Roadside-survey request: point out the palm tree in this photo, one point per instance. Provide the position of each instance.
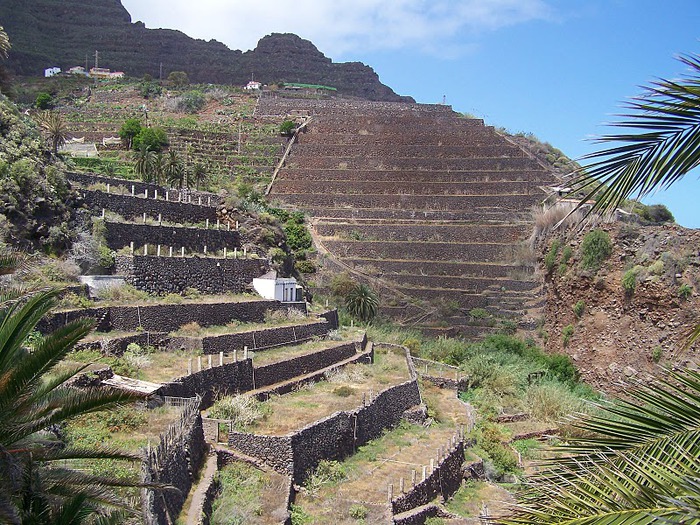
(362, 303)
(642, 466)
(143, 162)
(37, 483)
(662, 145)
(4, 43)
(55, 128)
(199, 174)
(175, 171)
(157, 168)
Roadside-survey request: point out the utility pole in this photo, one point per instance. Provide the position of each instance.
(160, 74)
(96, 59)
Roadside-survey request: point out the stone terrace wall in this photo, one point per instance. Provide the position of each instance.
(297, 366)
(175, 461)
(421, 250)
(275, 105)
(168, 317)
(163, 275)
(443, 481)
(414, 163)
(334, 437)
(415, 232)
(119, 234)
(262, 339)
(210, 199)
(242, 376)
(128, 206)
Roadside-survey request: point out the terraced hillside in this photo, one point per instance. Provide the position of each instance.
(428, 206)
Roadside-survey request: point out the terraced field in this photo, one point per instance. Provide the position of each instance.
(427, 206)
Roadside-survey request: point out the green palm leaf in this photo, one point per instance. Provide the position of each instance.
(663, 144)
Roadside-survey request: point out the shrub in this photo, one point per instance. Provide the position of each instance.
(562, 367)
(566, 333)
(656, 213)
(305, 267)
(129, 130)
(478, 313)
(243, 411)
(551, 401)
(298, 236)
(685, 291)
(579, 308)
(150, 89)
(595, 249)
(629, 281)
(154, 139)
(43, 101)
(551, 258)
(178, 78)
(656, 354)
(341, 285)
(327, 472)
(358, 512)
(191, 102)
(344, 391)
(287, 127)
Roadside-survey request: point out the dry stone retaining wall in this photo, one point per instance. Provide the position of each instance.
(421, 250)
(128, 206)
(164, 275)
(433, 176)
(412, 163)
(413, 232)
(119, 235)
(262, 339)
(175, 461)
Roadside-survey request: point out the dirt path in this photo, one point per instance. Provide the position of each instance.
(194, 515)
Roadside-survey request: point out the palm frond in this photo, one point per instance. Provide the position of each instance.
(662, 145)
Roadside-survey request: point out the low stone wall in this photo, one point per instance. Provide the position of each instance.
(329, 210)
(164, 275)
(387, 149)
(242, 376)
(168, 317)
(175, 461)
(334, 437)
(403, 163)
(443, 481)
(117, 346)
(471, 284)
(129, 206)
(400, 176)
(262, 339)
(467, 269)
(301, 365)
(121, 234)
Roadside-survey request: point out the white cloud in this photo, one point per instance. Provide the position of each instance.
(339, 27)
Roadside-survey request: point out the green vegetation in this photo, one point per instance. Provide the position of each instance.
(191, 102)
(656, 354)
(596, 247)
(242, 411)
(685, 291)
(178, 78)
(566, 334)
(629, 280)
(550, 259)
(579, 308)
(43, 101)
(287, 127)
(129, 130)
(153, 139)
(239, 500)
(362, 303)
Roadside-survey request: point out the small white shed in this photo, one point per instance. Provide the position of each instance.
(51, 71)
(284, 289)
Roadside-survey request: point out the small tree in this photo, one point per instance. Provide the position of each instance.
(153, 138)
(55, 128)
(43, 101)
(4, 43)
(143, 162)
(130, 129)
(199, 174)
(362, 303)
(178, 78)
(175, 171)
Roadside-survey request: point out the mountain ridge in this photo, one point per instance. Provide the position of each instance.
(46, 33)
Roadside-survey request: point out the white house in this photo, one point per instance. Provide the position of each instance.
(284, 289)
(77, 70)
(49, 72)
(252, 85)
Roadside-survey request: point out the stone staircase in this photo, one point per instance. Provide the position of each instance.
(427, 206)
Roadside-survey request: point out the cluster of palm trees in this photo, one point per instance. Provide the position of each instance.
(158, 167)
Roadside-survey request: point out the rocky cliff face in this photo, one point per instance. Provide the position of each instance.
(66, 33)
(625, 328)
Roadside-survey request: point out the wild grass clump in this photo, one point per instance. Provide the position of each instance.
(551, 401)
(239, 500)
(121, 294)
(327, 473)
(242, 411)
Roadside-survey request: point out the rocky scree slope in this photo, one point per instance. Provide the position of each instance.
(46, 33)
(625, 331)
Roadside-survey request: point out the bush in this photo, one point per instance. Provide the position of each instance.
(287, 127)
(191, 102)
(154, 139)
(566, 334)
(130, 129)
(656, 354)
(305, 267)
(629, 281)
(344, 391)
(595, 249)
(178, 78)
(150, 89)
(243, 411)
(685, 291)
(551, 258)
(579, 308)
(478, 313)
(341, 285)
(43, 101)
(358, 512)
(656, 213)
(298, 236)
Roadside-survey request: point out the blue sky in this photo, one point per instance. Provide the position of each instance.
(558, 69)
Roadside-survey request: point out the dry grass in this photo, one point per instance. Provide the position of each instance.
(311, 403)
